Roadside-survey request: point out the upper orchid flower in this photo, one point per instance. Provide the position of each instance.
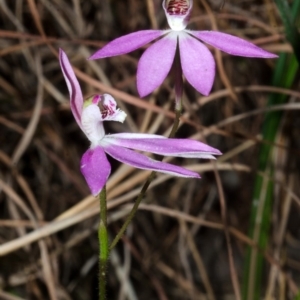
(90, 115)
(197, 62)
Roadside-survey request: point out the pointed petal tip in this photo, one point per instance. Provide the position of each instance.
(62, 55)
(205, 93)
(216, 151)
(95, 56)
(271, 55)
(197, 176)
(262, 54)
(232, 45)
(141, 91)
(95, 193)
(192, 174)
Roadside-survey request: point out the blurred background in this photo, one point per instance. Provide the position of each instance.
(234, 234)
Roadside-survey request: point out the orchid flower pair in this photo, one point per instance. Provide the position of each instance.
(90, 115)
(197, 62)
(198, 67)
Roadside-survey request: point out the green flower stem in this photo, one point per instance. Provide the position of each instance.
(144, 188)
(176, 122)
(103, 244)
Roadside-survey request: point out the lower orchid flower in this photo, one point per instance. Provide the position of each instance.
(90, 115)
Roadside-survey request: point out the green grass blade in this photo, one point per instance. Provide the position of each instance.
(288, 20)
(297, 297)
(284, 75)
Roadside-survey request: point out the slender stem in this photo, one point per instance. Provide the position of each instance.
(133, 210)
(144, 188)
(178, 109)
(176, 122)
(103, 208)
(103, 245)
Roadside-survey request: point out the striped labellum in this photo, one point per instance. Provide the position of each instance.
(178, 13)
(177, 7)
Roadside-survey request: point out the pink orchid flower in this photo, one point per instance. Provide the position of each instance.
(91, 114)
(197, 62)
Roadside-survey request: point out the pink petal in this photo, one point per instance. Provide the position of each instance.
(163, 146)
(155, 64)
(109, 109)
(198, 64)
(76, 98)
(140, 161)
(127, 43)
(231, 44)
(95, 168)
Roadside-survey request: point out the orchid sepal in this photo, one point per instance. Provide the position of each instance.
(162, 146)
(76, 98)
(128, 43)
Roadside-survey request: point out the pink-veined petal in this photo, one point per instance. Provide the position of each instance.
(163, 146)
(155, 64)
(76, 98)
(231, 44)
(107, 107)
(95, 168)
(127, 43)
(141, 161)
(109, 110)
(198, 64)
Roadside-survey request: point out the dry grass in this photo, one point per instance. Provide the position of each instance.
(176, 248)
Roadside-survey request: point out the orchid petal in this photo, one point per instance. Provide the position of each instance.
(231, 44)
(108, 107)
(155, 64)
(163, 146)
(76, 98)
(95, 168)
(92, 124)
(110, 111)
(127, 43)
(198, 64)
(141, 161)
